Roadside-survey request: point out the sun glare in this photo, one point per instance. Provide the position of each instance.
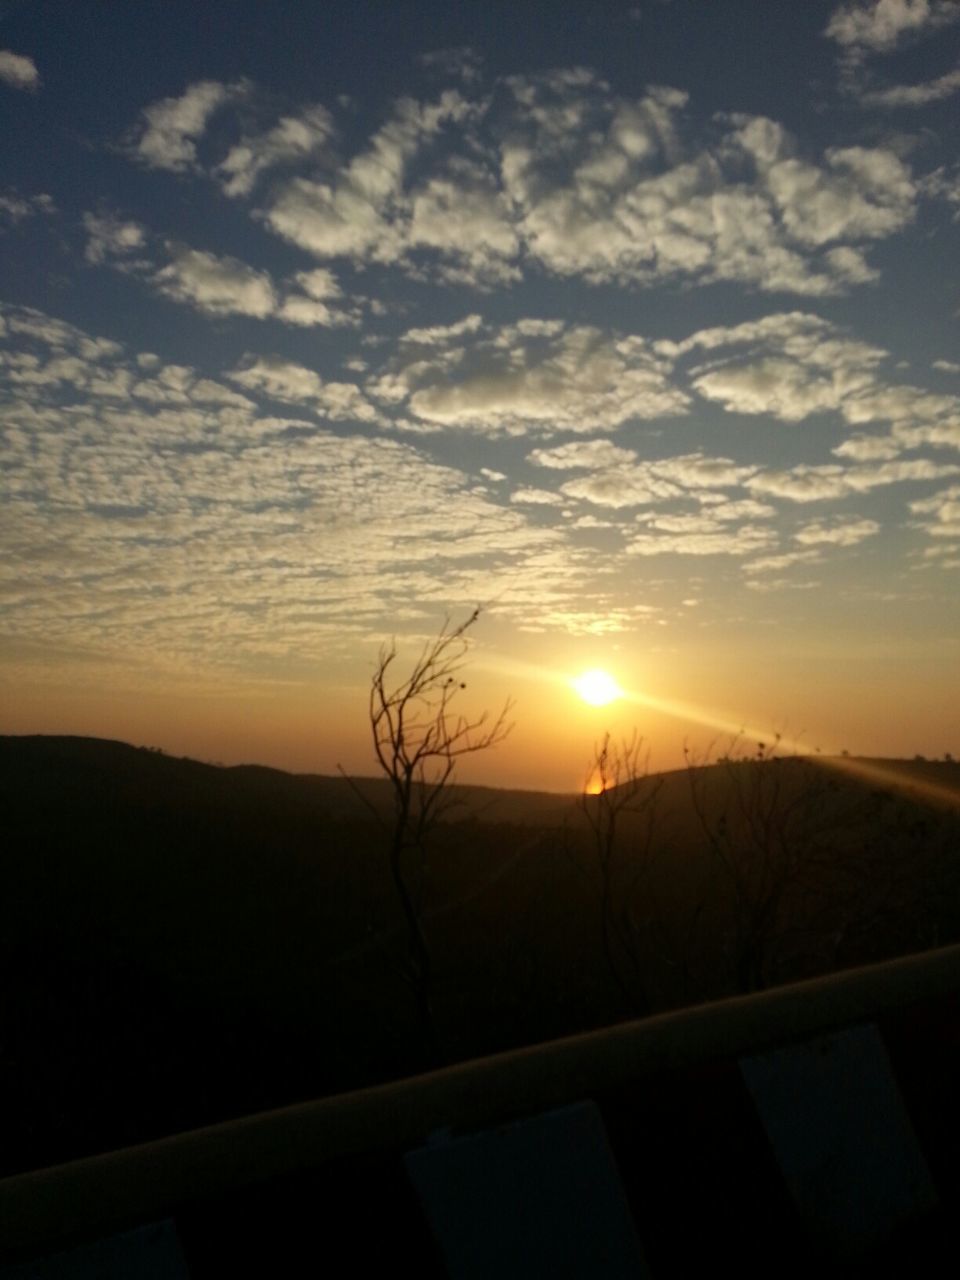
(597, 687)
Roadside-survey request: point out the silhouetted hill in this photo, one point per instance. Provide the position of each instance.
(181, 942)
(69, 767)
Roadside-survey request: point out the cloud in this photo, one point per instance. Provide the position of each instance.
(914, 95)
(946, 366)
(635, 487)
(320, 301)
(216, 286)
(944, 510)
(292, 139)
(222, 537)
(443, 335)
(784, 388)
(292, 383)
(536, 497)
(16, 207)
(857, 193)
(864, 27)
(534, 376)
(167, 136)
(744, 541)
(460, 61)
(111, 239)
(777, 329)
(556, 170)
(821, 483)
(586, 455)
(799, 369)
(844, 533)
(777, 563)
(696, 471)
(352, 215)
(944, 184)
(17, 71)
(868, 448)
(462, 215)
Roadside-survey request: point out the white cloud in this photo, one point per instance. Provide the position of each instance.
(857, 193)
(784, 388)
(167, 137)
(111, 238)
(292, 383)
(309, 313)
(744, 541)
(842, 533)
(17, 71)
(944, 184)
(567, 175)
(352, 215)
(16, 207)
(633, 487)
(586, 455)
(320, 284)
(822, 483)
(216, 286)
(124, 507)
(811, 369)
(944, 508)
(946, 366)
(878, 26)
(536, 497)
(864, 478)
(321, 302)
(778, 329)
(292, 138)
(777, 563)
(513, 379)
(868, 448)
(461, 60)
(443, 335)
(219, 286)
(914, 95)
(850, 265)
(698, 472)
(802, 483)
(462, 215)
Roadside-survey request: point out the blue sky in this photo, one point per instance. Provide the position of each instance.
(635, 322)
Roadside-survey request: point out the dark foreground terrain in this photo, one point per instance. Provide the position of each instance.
(183, 943)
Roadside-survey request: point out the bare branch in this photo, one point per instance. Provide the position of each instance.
(418, 740)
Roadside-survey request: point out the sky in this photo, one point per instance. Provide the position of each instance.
(634, 324)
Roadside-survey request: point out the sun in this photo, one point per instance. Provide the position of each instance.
(597, 687)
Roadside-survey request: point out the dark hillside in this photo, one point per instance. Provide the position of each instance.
(182, 942)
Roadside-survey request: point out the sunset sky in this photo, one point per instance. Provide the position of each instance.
(635, 323)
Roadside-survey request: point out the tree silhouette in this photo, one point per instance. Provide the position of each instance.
(418, 739)
(618, 785)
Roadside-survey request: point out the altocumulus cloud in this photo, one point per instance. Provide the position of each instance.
(127, 512)
(558, 170)
(530, 375)
(17, 71)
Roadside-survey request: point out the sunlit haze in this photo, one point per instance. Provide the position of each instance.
(635, 325)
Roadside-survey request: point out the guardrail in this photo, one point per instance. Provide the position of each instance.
(54, 1208)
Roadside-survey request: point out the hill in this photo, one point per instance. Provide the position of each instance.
(182, 942)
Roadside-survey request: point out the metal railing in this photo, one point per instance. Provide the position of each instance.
(50, 1208)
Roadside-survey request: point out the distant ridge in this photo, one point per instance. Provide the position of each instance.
(72, 761)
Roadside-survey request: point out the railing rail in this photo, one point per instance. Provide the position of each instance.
(47, 1209)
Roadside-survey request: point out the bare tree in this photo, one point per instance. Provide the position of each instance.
(776, 830)
(419, 738)
(618, 786)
